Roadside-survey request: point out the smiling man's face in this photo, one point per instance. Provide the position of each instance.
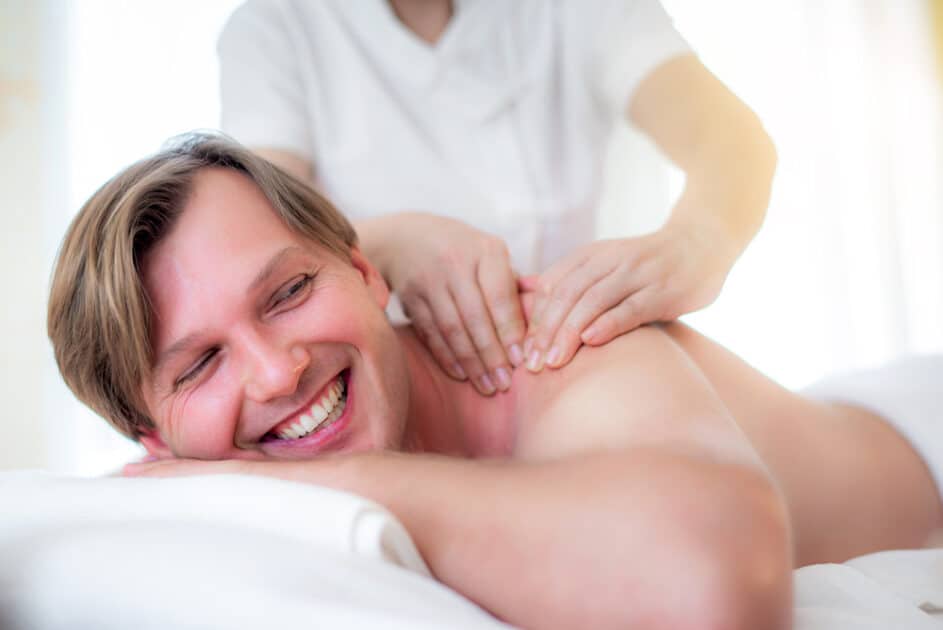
(265, 344)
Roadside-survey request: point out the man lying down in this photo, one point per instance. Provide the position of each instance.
(214, 308)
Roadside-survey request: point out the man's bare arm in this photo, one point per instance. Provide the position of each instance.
(634, 501)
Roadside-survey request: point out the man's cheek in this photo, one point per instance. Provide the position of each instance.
(207, 420)
(342, 324)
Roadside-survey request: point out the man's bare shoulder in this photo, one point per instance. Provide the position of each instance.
(638, 387)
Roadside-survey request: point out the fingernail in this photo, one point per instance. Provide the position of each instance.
(485, 384)
(517, 356)
(553, 357)
(589, 334)
(533, 361)
(458, 372)
(503, 378)
(528, 345)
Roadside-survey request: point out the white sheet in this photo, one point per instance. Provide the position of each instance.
(891, 589)
(246, 553)
(210, 552)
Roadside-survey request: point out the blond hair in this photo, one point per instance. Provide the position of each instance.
(99, 318)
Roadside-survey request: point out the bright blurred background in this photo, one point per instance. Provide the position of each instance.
(847, 271)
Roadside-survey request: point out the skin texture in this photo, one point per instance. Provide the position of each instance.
(639, 472)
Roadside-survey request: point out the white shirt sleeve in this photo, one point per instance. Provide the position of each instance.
(263, 96)
(632, 38)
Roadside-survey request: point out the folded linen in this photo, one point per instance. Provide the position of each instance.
(243, 553)
(890, 589)
(210, 552)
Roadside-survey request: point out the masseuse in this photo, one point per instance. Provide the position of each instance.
(447, 129)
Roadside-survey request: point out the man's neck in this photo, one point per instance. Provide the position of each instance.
(448, 416)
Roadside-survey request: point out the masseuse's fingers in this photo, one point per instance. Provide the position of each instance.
(424, 322)
(474, 312)
(453, 330)
(542, 287)
(526, 292)
(629, 314)
(558, 294)
(500, 288)
(604, 295)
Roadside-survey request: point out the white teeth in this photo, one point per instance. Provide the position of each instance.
(308, 422)
(334, 415)
(323, 412)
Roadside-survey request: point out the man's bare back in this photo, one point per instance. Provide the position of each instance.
(853, 483)
(843, 469)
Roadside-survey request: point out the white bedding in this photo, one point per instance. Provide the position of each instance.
(891, 589)
(232, 552)
(246, 553)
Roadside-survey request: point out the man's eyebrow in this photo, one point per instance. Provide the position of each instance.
(179, 346)
(183, 344)
(272, 265)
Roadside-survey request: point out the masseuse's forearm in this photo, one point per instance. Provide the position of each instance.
(729, 173)
(640, 538)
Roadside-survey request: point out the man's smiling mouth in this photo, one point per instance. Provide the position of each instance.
(323, 412)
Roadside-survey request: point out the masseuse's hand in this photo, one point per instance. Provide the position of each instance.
(608, 288)
(458, 288)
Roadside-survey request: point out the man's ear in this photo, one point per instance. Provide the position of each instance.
(155, 446)
(371, 276)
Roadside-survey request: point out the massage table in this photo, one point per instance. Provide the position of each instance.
(242, 552)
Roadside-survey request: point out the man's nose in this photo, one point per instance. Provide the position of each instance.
(273, 368)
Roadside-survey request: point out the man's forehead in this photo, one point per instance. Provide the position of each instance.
(222, 199)
(226, 215)
(226, 241)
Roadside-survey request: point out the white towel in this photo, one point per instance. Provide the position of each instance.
(209, 552)
(244, 553)
(891, 589)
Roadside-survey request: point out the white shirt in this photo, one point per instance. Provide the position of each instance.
(503, 123)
